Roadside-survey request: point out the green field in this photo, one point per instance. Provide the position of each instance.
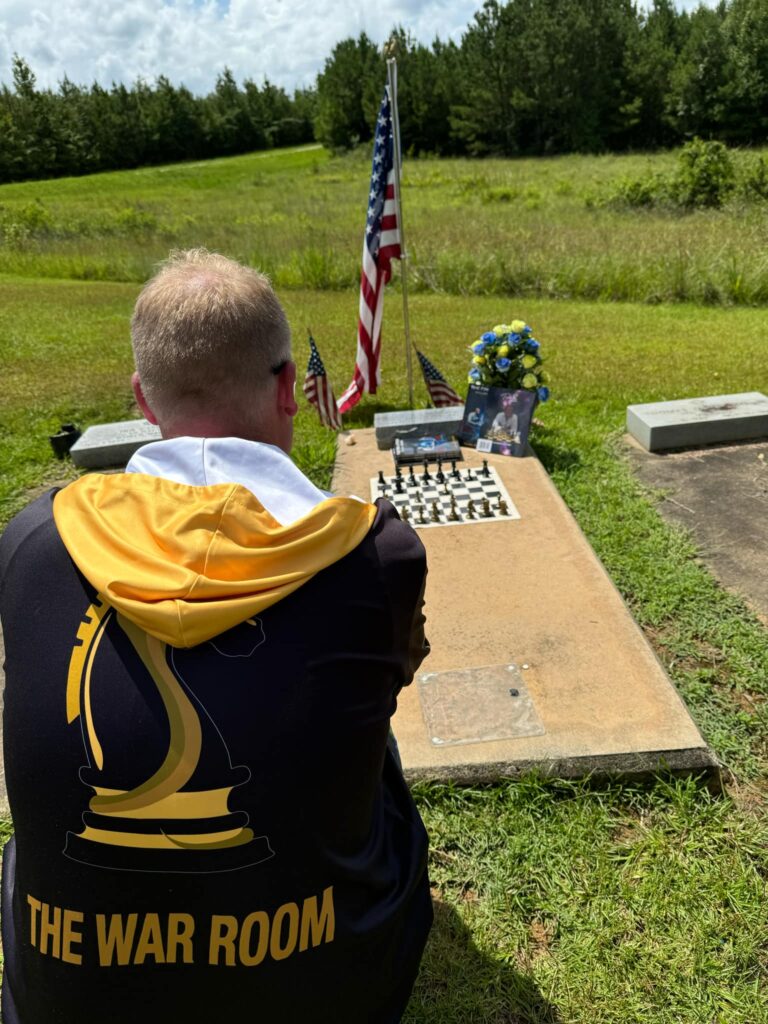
(532, 228)
(556, 902)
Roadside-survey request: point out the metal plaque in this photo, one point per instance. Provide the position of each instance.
(477, 705)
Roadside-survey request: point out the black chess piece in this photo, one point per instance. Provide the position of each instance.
(411, 477)
(485, 471)
(469, 475)
(440, 475)
(454, 472)
(398, 472)
(446, 488)
(399, 485)
(425, 477)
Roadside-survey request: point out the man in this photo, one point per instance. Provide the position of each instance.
(202, 657)
(506, 421)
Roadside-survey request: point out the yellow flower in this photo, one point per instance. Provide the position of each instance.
(503, 350)
(529, 362)
(517, 325)
(479, 360)
(500, 329)
(529, 380)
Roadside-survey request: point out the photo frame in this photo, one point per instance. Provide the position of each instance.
(498, 420)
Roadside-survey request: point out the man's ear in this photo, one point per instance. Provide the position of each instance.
(141, 401)
(286, 388)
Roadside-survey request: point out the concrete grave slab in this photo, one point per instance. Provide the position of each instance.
(531, 593)
(389, 425)
(112, 444)
(691, 422)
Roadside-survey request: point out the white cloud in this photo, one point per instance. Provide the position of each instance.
(190, 41)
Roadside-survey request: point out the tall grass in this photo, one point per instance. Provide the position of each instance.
(527, 228)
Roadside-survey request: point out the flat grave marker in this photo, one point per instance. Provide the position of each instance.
(690, 422)
(389, 425)
(112, 444)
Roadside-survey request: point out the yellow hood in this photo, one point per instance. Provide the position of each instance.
(187, 563)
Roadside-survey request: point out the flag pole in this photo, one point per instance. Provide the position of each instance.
(392, 84)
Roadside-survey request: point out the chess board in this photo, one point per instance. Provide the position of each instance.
(432, 502)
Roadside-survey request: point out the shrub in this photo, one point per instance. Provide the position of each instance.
(706, 176)
(639, 192)
(754, 183)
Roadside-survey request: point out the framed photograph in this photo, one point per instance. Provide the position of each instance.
(425, 448)
(497, 420)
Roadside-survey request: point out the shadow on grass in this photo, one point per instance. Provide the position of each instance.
(458, 984)
(554, 457)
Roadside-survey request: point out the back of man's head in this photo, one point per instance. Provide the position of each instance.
(208, 336)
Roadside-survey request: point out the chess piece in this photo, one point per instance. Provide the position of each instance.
(454, 472)
(411, 477)
(453, 515)
(485, 471)
(425, 477)
(398, 472)
(405, 515)
(486, 513)
(440, 475)
(434, 513)
(503, 507)
(398, 484)
(420, 510)
(446, 488)
(469, 475)
(382, 481)
(471, 509)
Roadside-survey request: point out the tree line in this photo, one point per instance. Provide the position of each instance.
(79, 130)
(535, 77)
(528, 77)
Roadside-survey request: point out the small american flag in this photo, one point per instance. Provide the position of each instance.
(380, 246)
(318, 389)
(441, 393)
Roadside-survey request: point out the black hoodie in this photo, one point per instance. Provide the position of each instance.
(208, 824)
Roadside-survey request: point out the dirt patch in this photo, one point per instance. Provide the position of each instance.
(720, 494)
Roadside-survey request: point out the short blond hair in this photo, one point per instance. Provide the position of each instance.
(206, 332)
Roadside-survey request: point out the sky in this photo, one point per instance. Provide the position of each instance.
(190, 41)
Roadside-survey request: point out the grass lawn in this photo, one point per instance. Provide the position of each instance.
(533, 227)
(555, 902)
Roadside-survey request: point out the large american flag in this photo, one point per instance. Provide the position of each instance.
(380, 246)
(318, 389)
(440, 391)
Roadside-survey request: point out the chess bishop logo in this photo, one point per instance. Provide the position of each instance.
(155, 806)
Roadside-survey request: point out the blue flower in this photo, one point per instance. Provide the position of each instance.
(503, 363)
(515, 339)
(489, 337)
(527, 331)
(532, 345)
(479, 347)
(474, 373)
(543, 393)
